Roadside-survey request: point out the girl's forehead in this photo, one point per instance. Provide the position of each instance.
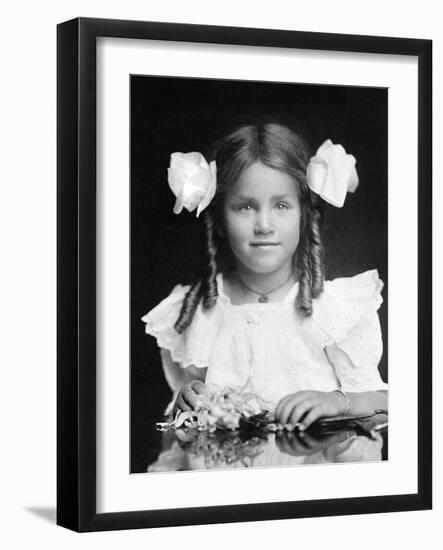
(261, 181)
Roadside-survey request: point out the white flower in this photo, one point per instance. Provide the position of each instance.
(218, 408)
(192, 181)
(331, 173)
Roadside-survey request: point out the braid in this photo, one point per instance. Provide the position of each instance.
(304, 295)
(317, 255)
(205, 286)
(311, 264)
(209, 283)
(189, 305)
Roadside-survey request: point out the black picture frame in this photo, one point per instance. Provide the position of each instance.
(76, 278)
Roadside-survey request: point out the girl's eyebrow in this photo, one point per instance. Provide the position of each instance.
(243, 198)
(273, 198)
(281, 197)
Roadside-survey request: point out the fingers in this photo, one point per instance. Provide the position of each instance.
(279, 409)
(314, 414)
(286, 405)
(299, 411)
(198, 386)
(293, 410)
(180, 404)
(191, 397)
(302, 408)
(187, 396)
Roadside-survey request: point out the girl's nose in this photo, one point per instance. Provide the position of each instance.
(263, 222)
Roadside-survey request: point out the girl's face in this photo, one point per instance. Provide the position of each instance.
(262, 219)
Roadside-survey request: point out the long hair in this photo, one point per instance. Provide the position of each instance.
(277, 146)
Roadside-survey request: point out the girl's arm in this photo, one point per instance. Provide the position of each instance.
(305, 407)
(366, 402)
(185, 383)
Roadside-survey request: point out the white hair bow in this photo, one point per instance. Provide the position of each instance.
(192, 180)
(331, 173)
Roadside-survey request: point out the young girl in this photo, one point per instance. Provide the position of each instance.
(260, 315)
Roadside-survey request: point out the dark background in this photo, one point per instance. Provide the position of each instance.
(185, 114)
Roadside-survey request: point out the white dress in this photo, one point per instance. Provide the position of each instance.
(270, 348)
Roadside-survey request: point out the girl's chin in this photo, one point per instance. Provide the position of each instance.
(263, 264)
(266, 268)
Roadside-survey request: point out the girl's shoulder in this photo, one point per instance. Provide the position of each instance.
(346, 301)
(366, 286)
(167, 310)
(191, 347)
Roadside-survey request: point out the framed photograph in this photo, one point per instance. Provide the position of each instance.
(244, 269)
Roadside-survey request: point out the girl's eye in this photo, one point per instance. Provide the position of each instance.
(246, 208)
(282, 206)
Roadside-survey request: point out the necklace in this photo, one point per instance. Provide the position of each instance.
(264, 296)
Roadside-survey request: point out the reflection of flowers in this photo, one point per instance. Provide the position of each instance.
(222, 448)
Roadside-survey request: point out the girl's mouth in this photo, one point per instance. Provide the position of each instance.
(264, 245)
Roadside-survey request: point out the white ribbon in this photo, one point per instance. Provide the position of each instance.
(192, 181)
(331, 173)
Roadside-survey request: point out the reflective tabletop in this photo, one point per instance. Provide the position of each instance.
(363, 439)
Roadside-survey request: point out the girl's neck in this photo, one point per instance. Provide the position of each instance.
(245, 285)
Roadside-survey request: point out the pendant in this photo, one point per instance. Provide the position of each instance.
(263, 299)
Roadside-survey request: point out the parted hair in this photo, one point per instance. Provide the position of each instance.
(278, 146)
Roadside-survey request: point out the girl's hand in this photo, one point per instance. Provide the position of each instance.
(187, 396)
(305, 407)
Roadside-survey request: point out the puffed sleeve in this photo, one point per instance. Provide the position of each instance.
(348, 318)
(194, 346)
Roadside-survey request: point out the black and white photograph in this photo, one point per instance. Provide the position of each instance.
(258, 273)
(244, 267)
(221, 270)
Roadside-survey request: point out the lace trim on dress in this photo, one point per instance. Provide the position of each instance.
(194, 346)
(344, 302)
(174, 346)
